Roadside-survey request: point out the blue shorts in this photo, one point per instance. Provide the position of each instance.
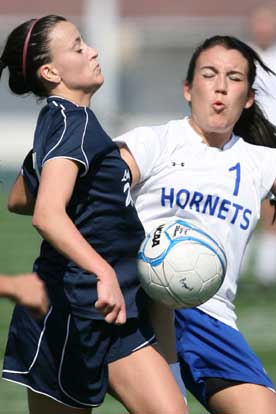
(66, 357)
(208, 348)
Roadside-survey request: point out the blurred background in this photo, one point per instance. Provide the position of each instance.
(144, 48)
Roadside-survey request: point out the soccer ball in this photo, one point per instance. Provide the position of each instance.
(180, 264)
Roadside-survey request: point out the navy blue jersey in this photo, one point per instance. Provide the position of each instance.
(101, 206)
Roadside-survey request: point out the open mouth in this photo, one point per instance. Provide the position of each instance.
(218, 106)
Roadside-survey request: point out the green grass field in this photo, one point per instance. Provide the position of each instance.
(19, 245)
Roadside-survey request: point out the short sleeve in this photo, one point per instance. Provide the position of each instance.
(68, 137)
(147, 145)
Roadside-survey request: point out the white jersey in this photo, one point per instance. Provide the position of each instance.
(221, 188)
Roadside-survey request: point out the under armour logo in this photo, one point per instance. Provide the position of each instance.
(181, 164)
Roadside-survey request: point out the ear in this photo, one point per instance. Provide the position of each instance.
(187, 91)
(49, 73)
(250, 99)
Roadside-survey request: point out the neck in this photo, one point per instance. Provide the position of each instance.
(211, 138)
(77, 97)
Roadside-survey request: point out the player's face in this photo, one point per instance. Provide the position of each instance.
(73, 60)
(219, 92)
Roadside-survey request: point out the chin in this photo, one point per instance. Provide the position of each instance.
(96, 87)
(219, 127)
(101, 78)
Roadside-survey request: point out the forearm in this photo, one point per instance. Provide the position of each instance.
(26, 289)
(61, 232)
(6, 287)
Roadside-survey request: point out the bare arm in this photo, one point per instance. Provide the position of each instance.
(132, 165)
(21, 201)
(50, 218)
(26, 289)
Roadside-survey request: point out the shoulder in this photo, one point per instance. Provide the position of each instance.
(150, 134)
(64, 131)
(60, 118)
(260, 160)
(255, 150)
(65, 110)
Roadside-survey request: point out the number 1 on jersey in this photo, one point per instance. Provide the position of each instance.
(236, 168)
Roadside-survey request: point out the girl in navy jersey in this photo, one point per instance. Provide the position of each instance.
(96, 335)
(215, 167)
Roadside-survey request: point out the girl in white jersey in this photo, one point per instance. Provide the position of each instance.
(200, 168)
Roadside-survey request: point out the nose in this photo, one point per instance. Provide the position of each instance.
(93, 53)
(221, 84)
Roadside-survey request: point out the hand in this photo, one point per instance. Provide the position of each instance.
(110, 301)
(29, 290)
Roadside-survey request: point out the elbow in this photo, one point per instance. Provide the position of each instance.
(18, 206)
(13, 206)
(45, 220)
(13, 203)
(39, 222)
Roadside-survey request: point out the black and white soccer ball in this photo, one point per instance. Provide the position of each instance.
(181, 264)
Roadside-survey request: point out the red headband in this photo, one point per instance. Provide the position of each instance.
(25, 48)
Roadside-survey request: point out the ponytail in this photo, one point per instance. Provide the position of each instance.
(26, 50)
(255, 128)
(2, 66)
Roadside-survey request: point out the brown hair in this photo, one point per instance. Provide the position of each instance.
(26, 50)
